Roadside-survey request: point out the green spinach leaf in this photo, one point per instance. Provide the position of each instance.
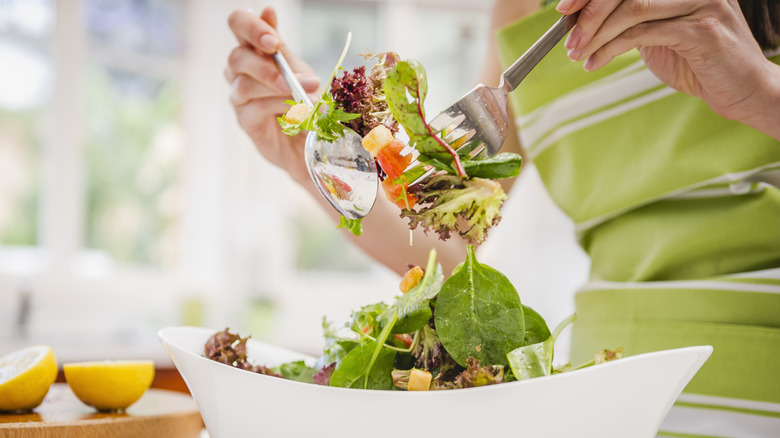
(378, 348)
(353, 371)
(440, 161)
(413, 308)
(495, 168)
(479, 314)
(504, 165)
(370, 319)
(536, 329)
(298, 371)
(536, 360)
(371, 363)
(410, 175)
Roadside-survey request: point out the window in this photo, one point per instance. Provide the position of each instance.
(25, 85)
(133, 136)
(131, 200)
(90, 149)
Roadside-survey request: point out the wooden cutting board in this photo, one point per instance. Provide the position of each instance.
(159, 413)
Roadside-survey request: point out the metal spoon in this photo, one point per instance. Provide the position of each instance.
(343, 170)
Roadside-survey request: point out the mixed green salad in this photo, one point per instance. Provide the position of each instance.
(463, 195)
(467, 330)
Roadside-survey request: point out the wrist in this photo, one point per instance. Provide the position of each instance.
(299, 174)
(289, 155)
(766, 114)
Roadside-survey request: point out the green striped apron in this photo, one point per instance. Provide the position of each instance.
(679, 211)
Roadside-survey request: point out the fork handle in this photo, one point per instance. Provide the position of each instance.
(511, 78)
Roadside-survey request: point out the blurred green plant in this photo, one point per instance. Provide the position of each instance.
(322, 247)
(20, 182)
(133, 153)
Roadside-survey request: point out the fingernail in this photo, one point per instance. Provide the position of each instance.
(564, 6)
(309, 83)
(574, 55)
(573, 39)
(269, 42)
(588, 66)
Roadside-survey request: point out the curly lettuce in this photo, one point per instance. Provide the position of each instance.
(355, 226)
(323, 376)
(363, 93)
(446, 199)
(479, 375)
(428, 351)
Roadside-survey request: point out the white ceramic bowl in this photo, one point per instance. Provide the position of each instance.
(624, 398)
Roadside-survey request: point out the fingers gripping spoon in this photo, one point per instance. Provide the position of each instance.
(343, 171)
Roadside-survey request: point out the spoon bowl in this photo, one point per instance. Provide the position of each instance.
(343, 171)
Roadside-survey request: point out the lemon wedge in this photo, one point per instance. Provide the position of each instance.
(109, 385)
(25, 377)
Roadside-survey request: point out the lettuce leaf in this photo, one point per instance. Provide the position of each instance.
(479, 314)
(479, 375)
(408, 79)
(413, 308)
(355, 226)
(298, 371)
(446, 198)
(536, 360)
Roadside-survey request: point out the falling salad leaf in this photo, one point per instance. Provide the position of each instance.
(355, 226)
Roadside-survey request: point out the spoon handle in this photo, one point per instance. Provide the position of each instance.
(289, 77)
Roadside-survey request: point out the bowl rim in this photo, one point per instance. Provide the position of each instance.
(702, 353)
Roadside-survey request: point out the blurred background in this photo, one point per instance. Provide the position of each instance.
(130, 199)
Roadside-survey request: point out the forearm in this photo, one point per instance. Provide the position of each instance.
(764, 112)
(386, 236)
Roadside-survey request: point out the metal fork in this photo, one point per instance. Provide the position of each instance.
(482, 115)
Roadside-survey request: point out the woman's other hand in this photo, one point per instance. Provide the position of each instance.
(701, 47)
(258, 91)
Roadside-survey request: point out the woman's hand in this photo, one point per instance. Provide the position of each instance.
(258, 90)
(701, 47)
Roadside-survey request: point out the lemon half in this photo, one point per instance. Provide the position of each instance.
(109, 385)
(25, 377)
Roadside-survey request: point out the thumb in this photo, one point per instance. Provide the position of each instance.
(268, 15)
